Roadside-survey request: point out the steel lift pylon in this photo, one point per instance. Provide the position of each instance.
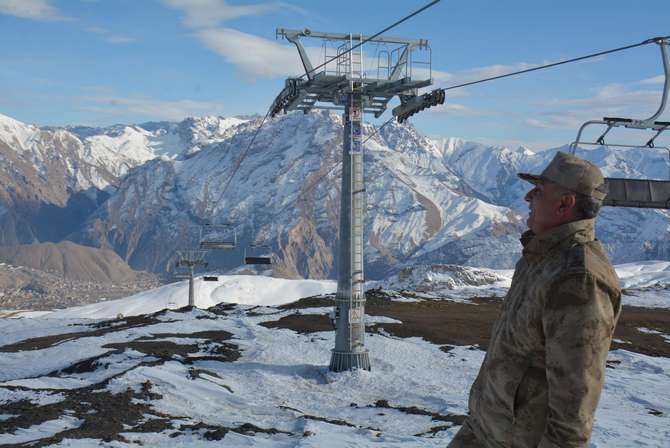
(188, 260)
(343, 83)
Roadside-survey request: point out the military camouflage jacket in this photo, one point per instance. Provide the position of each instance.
(541, 379)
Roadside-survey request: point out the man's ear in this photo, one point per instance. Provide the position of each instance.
(568, 202)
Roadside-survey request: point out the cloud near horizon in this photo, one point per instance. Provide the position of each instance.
(209, 13)
(253, 55)
(108, 36)
(608, 100)
(150, 108)
(31, 9)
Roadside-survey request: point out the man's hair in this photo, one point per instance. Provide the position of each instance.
(587, 206)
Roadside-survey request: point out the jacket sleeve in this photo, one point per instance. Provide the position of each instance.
(578, 322)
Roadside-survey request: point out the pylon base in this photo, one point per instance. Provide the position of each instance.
(341, 361)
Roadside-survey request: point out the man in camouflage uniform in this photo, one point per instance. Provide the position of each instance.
(541, 379)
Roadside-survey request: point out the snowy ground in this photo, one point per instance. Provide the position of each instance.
(174, 378)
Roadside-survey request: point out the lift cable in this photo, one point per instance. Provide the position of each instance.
(243, 154)
(554, 64)
(418, 103)
(377, 130)
(374, 36)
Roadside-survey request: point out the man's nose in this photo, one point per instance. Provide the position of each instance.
(529, 195)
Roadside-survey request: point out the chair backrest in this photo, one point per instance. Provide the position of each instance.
(641, 193)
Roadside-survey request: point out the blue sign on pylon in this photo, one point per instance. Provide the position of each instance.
(356, 146)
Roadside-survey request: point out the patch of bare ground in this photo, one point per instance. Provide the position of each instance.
(455, 419)
(108, 326)
(310, 302)
(216, 432)
(106, 415)
(628, 330)
(332, 421)
(214, 349)
(449, 419)
(302, 323)
(449, 323)
(99, 329)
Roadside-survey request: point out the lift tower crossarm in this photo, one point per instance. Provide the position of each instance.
(319, 85)
(291, 34)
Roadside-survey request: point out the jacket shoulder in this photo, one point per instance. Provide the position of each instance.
(590, 259)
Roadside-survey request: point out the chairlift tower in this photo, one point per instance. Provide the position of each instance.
(189, 259)
(343, 83)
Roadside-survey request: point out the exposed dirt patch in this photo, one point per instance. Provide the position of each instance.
(160, 349)
(633, 318)
(214, 335)
(444, 322)
(214, 432)
(332, 421)
(211, 350)
(439, 321)
(83, 366)
(454, 419)
(222, 308)
(194, 373)
(105, 415)
(100, 328)
(310, 302)
(302, 323)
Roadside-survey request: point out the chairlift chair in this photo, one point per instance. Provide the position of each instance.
(181, 272)
(257, 254)
(217, 236)
(639, 193)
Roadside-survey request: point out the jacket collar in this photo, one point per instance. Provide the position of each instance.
(581, 231)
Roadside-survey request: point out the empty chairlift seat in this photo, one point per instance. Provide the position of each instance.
(257, 254)
(639, 193)
(642, 193)
(180, 272)
(217, 236)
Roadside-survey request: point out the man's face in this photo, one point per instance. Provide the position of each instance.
(546, 207)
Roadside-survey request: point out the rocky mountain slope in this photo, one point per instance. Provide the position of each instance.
(71, 261)
(24, 288)
(51, 179)
(148, 188)
(628, 234)
(285, 195)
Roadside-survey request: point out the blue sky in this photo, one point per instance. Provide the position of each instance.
(100, 62)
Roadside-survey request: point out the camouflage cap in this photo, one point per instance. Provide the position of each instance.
(573, 173)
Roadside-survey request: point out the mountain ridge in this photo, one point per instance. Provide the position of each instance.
(428, 201)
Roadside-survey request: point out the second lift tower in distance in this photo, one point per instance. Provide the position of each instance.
(343, 82)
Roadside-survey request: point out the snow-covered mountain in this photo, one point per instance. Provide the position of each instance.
(285, 195)
(51, 179)
(153, 185)
(628, 234)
